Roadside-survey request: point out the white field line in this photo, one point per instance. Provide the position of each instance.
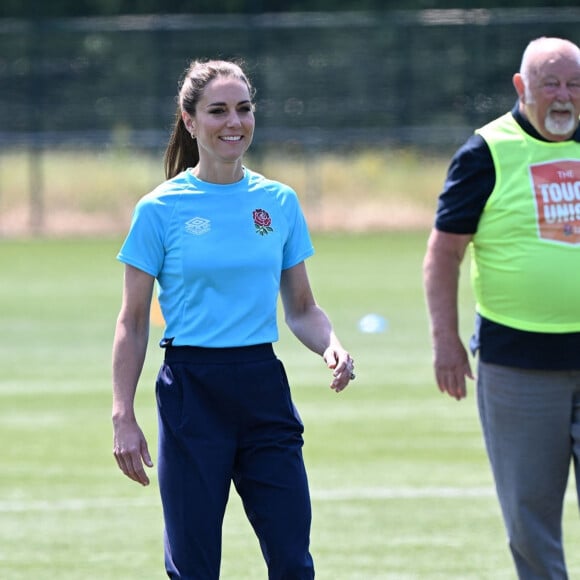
(374, 493)
(355, 494)
(401, 493)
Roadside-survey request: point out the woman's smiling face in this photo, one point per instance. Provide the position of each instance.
(224, 122)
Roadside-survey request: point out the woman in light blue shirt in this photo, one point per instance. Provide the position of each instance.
(222, 242)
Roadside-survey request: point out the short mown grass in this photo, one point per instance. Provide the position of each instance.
(400, 483)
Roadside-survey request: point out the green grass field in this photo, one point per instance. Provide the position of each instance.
(400, 482)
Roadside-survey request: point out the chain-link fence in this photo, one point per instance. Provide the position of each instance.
(325, 82)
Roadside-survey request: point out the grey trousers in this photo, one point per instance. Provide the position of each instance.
(531, 427)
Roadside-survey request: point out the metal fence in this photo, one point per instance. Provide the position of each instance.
(325, 82)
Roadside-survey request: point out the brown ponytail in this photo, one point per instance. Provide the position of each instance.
(181, 151)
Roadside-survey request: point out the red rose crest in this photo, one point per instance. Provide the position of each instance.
(262, 221)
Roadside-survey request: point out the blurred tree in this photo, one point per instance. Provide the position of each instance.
(33, 9)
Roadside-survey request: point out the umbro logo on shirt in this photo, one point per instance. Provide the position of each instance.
(197, 226)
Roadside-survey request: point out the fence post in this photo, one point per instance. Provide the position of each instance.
(36, 127)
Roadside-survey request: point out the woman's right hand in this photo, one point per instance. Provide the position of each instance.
(130, 450)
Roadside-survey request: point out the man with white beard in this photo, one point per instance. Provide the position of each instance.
(512, 194)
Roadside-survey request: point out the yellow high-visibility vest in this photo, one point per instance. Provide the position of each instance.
(525, 254)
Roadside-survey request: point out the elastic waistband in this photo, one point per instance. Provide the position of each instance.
(199, 354)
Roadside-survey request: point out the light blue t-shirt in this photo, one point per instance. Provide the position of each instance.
(217, 252)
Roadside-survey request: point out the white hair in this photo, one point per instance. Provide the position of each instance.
(545, 45)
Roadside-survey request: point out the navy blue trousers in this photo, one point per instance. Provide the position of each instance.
(227, 415)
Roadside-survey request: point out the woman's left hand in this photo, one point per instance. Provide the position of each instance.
(342, 366)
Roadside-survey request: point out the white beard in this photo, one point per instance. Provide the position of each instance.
(555, 126)
(560, 127)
